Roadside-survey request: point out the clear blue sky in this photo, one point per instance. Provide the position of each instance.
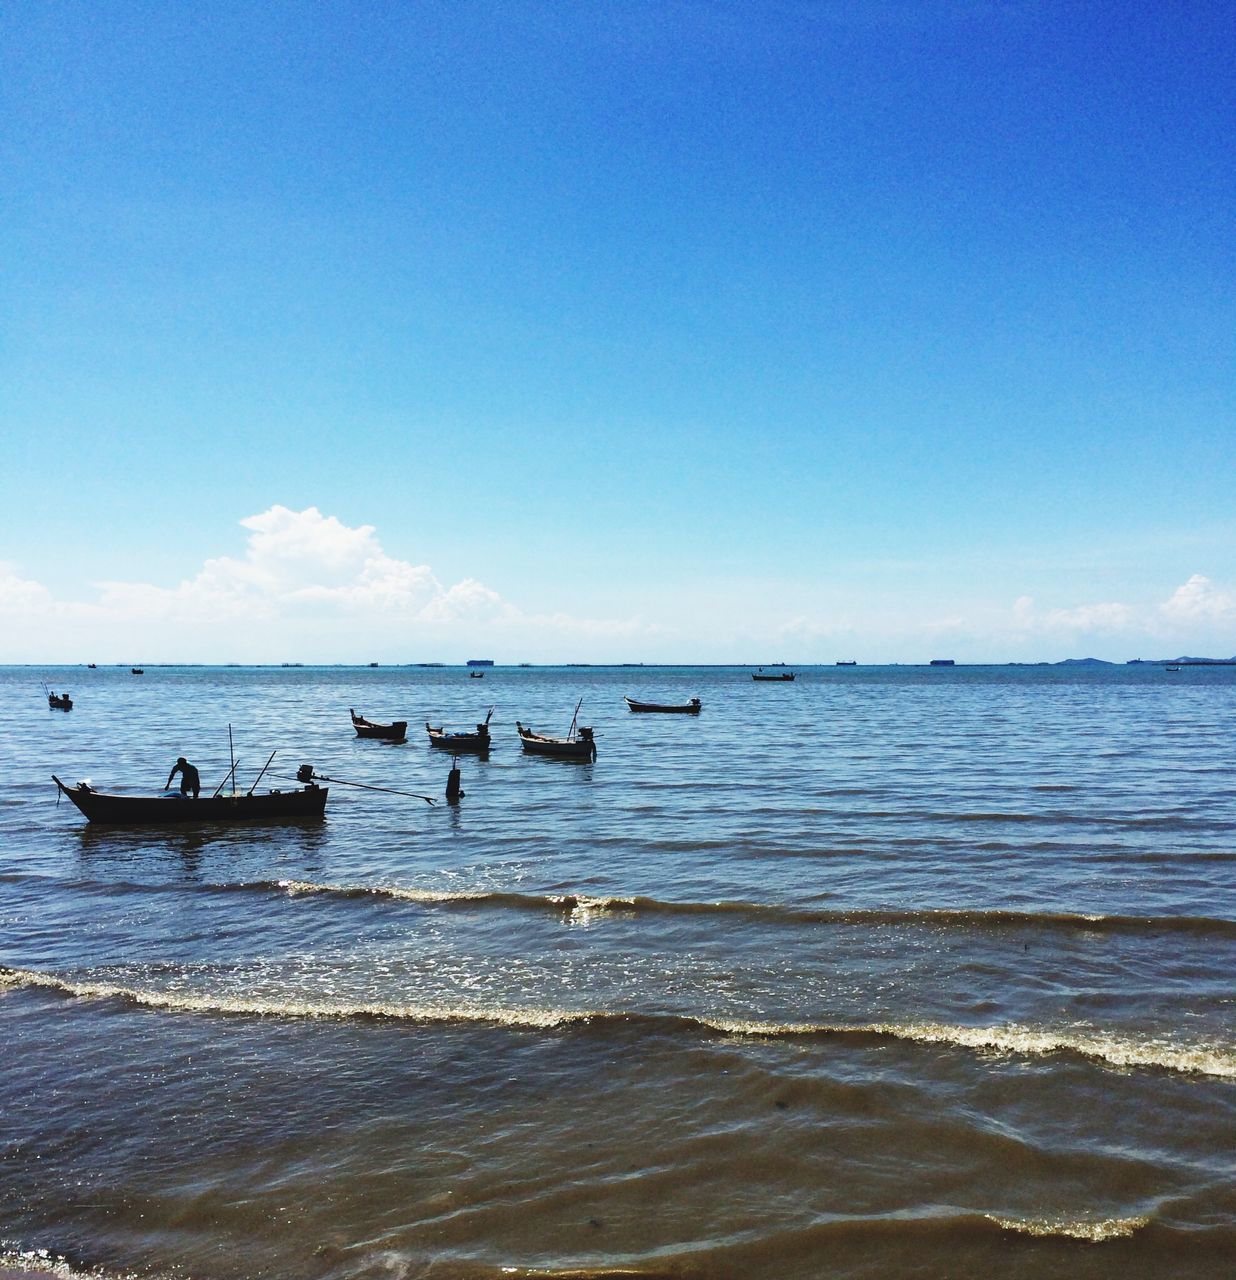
(689, 330)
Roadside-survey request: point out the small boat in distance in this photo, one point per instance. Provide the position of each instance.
(59, 701)
(761, 674)
(577, 745)
(396, 731)
(478, 741)
(691, 708)
(152, 811)
(137, 671)
(1171, 668)
(850, 663)
(476, 675)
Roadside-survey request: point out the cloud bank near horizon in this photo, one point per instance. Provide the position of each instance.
(310, 588)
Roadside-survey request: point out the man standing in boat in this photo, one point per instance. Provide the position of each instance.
(189, 779)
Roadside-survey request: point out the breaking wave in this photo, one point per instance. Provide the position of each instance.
(1096, 1230)
(637, 904)
(1108, 1048)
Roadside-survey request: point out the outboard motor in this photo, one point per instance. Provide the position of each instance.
(305, 774)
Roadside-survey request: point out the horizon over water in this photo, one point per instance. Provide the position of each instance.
(890, 970)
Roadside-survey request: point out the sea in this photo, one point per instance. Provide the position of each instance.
(889, 971)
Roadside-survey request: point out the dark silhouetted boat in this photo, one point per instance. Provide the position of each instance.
(691, 708)
(153, 811)
(476, 742)
(761, 674)
(60, 702)
(476, 675)
(577, 745)
(396, 731)
(137, 671)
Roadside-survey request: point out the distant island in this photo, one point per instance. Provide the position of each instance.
(1183, 662)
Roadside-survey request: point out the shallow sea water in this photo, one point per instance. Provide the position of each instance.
(886, 971)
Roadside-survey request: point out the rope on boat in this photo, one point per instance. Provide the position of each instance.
(365, 786)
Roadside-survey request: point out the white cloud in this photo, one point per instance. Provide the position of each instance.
(1199, 600)
(304, 580)
(20, 596)
(1082, 619)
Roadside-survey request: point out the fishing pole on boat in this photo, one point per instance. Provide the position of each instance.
(306, 773)
(264, 768)
(231, 773)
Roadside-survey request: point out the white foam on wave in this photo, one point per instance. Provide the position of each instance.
(187, 1002)
(382, 891)
(1095, 1230)
(1105, 1047)
(42, 1262)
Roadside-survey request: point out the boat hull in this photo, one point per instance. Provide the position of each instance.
(458, 741)
(691, 708)
(560, 750)
(789, 676)
(396, 731)
(154, 811)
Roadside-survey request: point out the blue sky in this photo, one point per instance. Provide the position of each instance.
(620, 332)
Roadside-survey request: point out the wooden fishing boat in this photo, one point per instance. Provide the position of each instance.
(151, 811)
(478, 741)
(580, 747)
(476, 675)
(691, 708)
(761, 674)
(577, 745)
(137, 671)
(396, 731)
(60, 702)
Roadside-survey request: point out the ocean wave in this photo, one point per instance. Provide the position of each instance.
(590, 906)
(1107, 1048)
(577, 904)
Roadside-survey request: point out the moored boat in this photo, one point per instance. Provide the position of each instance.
(150, 811)
(761, 674)
(396, 731)
(691, 708)
(59, 701)
(478, 741)
(577, 745)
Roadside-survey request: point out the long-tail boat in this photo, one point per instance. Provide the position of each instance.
(151, 811)
(396, 731)
(59, 702)
(691, 708)
(761, 674)
(477, 742)
(577, 745)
